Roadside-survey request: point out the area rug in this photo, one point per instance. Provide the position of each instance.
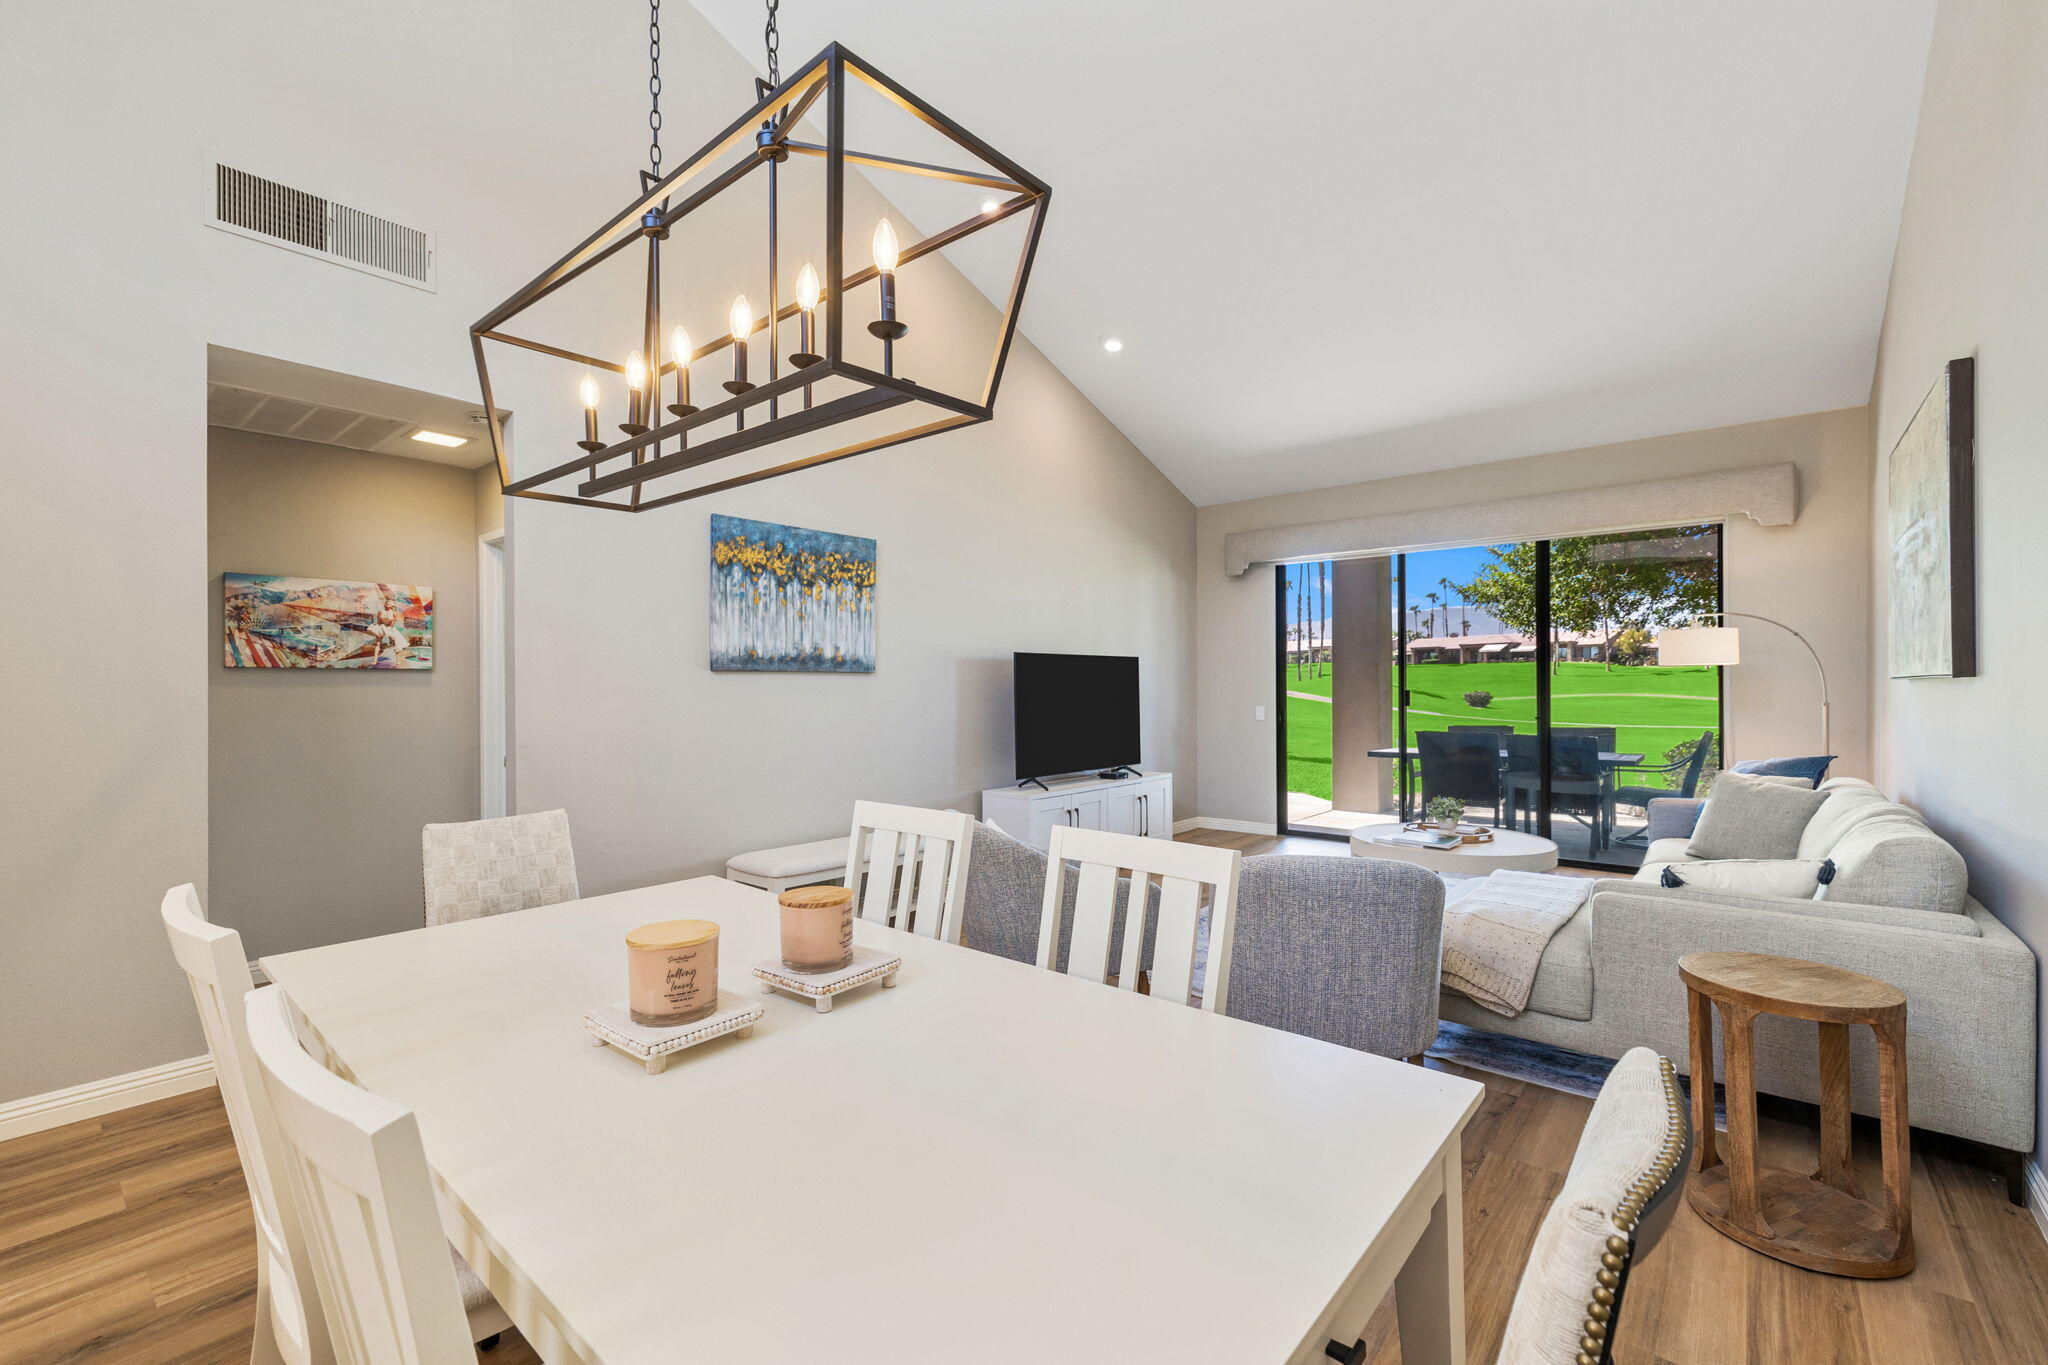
(1519, 1059)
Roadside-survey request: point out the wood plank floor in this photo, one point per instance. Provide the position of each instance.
(127, 1238)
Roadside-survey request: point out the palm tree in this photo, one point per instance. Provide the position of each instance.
(1300, 620)
(1434, 599)
(1322, 622)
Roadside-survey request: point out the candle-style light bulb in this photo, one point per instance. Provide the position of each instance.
(679, 352)
(888, 328)
(587, 391)
(806, 321)
(636, 395)
(742, 319)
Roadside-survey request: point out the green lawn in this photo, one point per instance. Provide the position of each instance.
(1651, 708)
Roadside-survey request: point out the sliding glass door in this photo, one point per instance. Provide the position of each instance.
(1518, 680)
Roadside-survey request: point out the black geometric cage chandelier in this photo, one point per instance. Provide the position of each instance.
(803, 382)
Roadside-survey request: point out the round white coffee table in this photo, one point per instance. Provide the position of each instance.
(1510, 851)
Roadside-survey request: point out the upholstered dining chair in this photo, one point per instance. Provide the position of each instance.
(1103, 902)
(1617, 1200)
(291, 1327)
(1342, 949)
(355, 1167)
(909, 866)
(488, 867)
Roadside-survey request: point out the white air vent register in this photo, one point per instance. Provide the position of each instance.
(252, 206)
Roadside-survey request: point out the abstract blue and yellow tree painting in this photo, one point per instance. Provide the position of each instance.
(789, 600)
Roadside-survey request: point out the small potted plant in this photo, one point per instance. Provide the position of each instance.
(1446, 812)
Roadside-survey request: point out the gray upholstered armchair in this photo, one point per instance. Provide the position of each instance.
(1342, 949)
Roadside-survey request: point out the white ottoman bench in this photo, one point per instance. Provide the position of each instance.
(793, 865)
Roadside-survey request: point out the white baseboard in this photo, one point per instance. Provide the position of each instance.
(2037, 1196)
(1227, 826)
(21, 1117)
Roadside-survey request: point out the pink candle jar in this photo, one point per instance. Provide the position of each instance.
(817, 929)
(672, 972)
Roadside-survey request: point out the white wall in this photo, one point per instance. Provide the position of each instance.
(1971, 278)
(1808, 575)
(509, 127)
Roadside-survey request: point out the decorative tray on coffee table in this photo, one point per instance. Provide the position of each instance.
(1467, 834)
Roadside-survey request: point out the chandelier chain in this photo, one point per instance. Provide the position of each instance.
(654, 88)
(772, 35)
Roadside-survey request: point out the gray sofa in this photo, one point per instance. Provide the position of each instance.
(1898, 909)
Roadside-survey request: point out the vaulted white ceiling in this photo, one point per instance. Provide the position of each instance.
(1353, 238)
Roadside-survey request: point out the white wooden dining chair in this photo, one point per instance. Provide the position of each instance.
(932, 847)
(1184, 873)
(353, 1162)
(289, 1325)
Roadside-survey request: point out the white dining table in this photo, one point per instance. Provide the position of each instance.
(989, 1162)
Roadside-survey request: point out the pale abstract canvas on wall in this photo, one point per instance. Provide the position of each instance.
(277, 622)
(1930, 490)
(789, 600)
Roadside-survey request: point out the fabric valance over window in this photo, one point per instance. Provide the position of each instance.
(1767, 494)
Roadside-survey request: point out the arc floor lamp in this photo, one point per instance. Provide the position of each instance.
(1709, 645)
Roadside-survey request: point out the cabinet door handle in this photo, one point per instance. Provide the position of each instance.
(1144, 816)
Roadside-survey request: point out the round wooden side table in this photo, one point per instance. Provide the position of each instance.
(1818, 1222)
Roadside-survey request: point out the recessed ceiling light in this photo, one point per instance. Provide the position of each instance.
(1112, 344)
(989, 206)
(439, 438)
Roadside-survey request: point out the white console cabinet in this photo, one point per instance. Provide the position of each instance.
(1141, 805)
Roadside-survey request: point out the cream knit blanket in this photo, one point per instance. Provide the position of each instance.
(1495, 934)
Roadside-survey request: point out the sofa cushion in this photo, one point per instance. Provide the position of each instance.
(1563, 985)
(1750, 876)
(1893, 917)
(1667, 851)
(1812, 770)
(1753, 817)
(1844, 809)
(1891, 858)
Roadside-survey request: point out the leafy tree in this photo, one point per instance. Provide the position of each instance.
(1603, 584)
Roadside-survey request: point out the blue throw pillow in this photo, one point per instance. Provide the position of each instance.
(1815, 770)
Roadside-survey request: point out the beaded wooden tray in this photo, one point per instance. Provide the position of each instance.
(612, 1026)
(868, 965)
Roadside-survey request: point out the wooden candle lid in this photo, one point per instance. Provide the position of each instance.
(815, 897)
(672, 933)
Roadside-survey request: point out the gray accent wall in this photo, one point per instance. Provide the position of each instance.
(1971, 279)
(319, 779)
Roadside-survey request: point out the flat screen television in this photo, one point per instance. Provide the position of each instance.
(1075, 712)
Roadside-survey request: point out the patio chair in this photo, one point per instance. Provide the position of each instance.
(1603, 733)
(1465, 766)
(1578, 788)
(1686, 772)
(1503, 731)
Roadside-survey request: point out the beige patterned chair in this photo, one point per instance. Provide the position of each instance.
(487, 867)
(1616, 1202)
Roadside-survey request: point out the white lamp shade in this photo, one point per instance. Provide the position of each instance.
(1700, 645)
